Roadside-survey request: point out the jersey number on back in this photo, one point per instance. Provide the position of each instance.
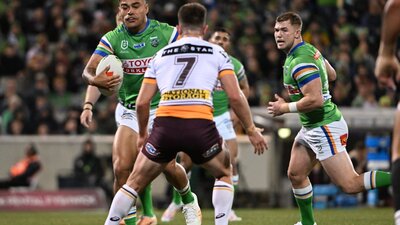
(188, 63)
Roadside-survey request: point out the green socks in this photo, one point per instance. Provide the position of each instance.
(304, 198)
(186, 194)
(130, 219)
(147, 201)
(376, 179)
(176, 197)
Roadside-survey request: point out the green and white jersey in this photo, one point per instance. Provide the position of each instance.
(135, 52)
(220, 99)
(303, 64)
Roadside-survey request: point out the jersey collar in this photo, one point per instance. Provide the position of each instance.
(295, 47)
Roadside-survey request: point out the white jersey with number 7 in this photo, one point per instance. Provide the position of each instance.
(186, 73)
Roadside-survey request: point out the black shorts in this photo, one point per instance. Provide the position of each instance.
(199, 138)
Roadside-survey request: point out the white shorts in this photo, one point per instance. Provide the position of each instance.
(325, 141)
(127, 117)
(224, 126)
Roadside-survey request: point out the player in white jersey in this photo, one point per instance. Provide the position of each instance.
(186, 72)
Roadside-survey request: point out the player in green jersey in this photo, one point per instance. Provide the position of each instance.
(324, 132)
(134, 41)
(223, 122)
(387, 70)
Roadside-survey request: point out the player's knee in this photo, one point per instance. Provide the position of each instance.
(222, 173)
(296, 178)
(121, 173)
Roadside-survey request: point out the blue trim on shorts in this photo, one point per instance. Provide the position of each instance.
(329, 140)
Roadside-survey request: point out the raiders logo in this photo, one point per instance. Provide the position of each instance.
(154, 41)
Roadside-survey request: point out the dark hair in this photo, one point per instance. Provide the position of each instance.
(293, 17)
(221, 29)
(192, 15)
(31, 149)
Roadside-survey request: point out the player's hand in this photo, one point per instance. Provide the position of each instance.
(106, 79)
(257, 140)
(275, 107)
(387, 69)
(141, 141)
(86, 117)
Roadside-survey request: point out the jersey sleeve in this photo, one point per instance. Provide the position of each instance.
(170, 32)
(105, 46)
(225, 62)
(304, 69)
(150, 73)
(238, 68)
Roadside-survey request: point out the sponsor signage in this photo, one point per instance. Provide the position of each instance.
(53, 200)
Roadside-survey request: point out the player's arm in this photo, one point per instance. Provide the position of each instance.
(147, 91)
(313, 98)
(387, 64)
(390, 29)
(330, 70)
(102, 80)
(309, 81)
(241, 107)
(91, 97)
(244, 86)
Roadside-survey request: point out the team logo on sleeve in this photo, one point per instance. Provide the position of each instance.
(154, 41)
(124, 44)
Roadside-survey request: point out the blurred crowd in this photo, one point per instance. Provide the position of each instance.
(45, 44)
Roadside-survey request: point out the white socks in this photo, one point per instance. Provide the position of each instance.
(121, 204)
(397, 217)
(303, 193)
(222, 199)
(369, 180)
(235, 179)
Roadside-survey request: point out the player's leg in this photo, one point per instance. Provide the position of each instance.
(126, 152)
(176, 176)
(337, 164)
(233, 150)
(143, 173)
(123, 156)
(302, 161)
(220, 168)
(341, 171)
(176, 204)
(396, 165)
(225, 128)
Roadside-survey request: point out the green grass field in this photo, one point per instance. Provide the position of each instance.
(344, 216)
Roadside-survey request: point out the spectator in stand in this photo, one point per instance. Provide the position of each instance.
(48, 33)
(24, 172)
(89, 170)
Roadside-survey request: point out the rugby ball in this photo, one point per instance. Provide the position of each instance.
(115, 69)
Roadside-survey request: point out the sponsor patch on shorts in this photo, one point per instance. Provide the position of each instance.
(127, 115)
(211, 151)
(343, 139)
(151, 150)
